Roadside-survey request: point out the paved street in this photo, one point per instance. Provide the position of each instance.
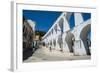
(44, 54)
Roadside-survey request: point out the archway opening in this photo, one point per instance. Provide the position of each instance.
(54, 42)
(60, 42)
(61, 25)
(70, 41)
(50, 43)
(55, 28)
(84, 35)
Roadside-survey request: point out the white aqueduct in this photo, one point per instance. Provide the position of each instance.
(62, 38)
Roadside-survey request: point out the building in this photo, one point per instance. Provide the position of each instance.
(28, 33)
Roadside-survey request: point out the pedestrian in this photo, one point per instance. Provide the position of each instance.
(50, 48)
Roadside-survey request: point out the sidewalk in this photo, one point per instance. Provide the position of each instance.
(44, 54)
(56, 52)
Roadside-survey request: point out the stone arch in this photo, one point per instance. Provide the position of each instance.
(50, 43)
(60, 42)
(55, 28)
(69, 39)
(83, 35)
(61, 24)
(68, 15)
(54, 42)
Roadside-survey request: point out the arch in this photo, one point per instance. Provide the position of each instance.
(50, 43)
(68, 15)
(83, 35)
(61, 24)
(55, 28)
(60, 42)
(54, 42)
(69, 39)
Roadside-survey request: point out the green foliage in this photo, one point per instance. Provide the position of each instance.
(40, 33)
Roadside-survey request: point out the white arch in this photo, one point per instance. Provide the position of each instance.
(83, 36)
(69, 39)
(80, 32)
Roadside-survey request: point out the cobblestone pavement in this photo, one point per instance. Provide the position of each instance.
(44, 54)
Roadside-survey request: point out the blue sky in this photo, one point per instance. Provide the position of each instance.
(45, 19)
(85, 17)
